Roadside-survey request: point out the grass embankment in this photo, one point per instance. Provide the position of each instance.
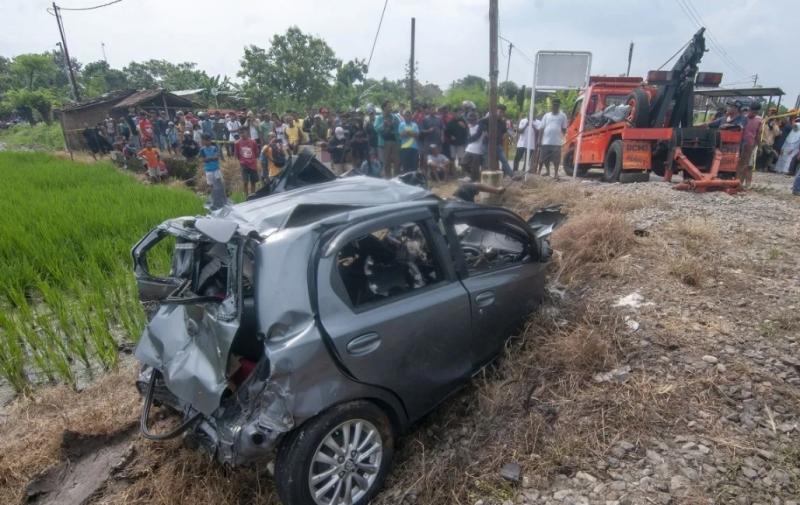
(41, 136)
(67, 289)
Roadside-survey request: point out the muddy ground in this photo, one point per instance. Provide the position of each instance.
(663, 369)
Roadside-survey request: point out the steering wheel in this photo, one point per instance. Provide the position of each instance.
(470, 251)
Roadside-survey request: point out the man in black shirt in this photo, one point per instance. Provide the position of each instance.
(456, 132)
(468, 190)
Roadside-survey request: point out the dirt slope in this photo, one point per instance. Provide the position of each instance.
(665, 369)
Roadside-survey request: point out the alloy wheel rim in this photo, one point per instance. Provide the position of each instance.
(345, 465)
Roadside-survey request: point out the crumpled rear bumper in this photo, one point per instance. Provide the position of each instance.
(244, 432)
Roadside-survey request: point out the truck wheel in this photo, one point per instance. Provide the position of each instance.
(341, 456)
(639, 116)
(612, 165)
(629, 176)
(569, 164)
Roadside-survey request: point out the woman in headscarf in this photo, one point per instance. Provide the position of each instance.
(789, 150)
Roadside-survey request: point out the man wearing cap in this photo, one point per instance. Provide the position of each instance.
(552, 126)
(733, 118)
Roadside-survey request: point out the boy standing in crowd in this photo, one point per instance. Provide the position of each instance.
(246, 151)
(209, 154)
(151, 158)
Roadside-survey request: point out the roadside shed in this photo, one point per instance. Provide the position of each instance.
(75, 117)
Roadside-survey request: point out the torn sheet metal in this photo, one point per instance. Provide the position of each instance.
(190, 345)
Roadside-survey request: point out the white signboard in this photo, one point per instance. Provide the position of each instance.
(557, 70)
(562, 70)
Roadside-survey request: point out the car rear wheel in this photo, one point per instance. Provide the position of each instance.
(612, 165)
(339, 457)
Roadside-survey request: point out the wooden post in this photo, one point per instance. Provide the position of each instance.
(493, 71)
(411, 78)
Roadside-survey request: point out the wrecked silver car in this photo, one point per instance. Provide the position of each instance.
(316, 325)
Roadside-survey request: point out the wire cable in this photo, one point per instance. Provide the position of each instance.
(375, 41)
(517, 49)
(695, 18)
(674, 55)
(89, 8)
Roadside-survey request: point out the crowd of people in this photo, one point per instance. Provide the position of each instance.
(771, 145)
(387, 141)
(383, 141)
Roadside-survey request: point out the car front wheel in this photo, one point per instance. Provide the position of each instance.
(340, 457)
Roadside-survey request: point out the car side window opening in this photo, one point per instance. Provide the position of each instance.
(388, 263)
(487, 243)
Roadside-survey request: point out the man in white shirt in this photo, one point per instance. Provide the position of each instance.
(473, 154)
(438, 164)
(526, 141)
(552, 126)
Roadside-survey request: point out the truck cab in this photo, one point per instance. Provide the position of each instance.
(634, 126)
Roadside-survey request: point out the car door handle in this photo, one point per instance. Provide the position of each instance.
(484, 299)
(364, 344)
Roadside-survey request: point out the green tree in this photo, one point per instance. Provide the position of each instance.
(31, 71)
(99, 78)
(162, 73)
(31, 104)
(471, 81)
(297, 70)
(508, 90)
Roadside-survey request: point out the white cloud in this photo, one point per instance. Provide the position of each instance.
(452, 35)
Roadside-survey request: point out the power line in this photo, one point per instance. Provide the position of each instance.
(516, 47)
(375, 41)
(89, 8)
(695, 18)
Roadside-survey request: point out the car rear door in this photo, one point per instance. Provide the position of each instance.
(497, 259)
(393, 309)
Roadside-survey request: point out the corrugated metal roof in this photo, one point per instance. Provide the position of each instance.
(110, 97)
(149, 94)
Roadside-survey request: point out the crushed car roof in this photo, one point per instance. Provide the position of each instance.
(315, 202)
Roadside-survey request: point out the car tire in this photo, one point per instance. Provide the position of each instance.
(569, 165)
(612, 165)
(308, 451)
(640, 104)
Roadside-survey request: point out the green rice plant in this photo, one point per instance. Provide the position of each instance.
(67, 293)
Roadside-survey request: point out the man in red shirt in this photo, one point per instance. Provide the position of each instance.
(146, 128)
(750, 138)
(246, 151)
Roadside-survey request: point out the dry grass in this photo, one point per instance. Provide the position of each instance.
(590, 241)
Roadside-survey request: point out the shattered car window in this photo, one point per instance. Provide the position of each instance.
(488, 244)
(387, 263)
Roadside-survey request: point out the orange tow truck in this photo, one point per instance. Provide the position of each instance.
(633, 127)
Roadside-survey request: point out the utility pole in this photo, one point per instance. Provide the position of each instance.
(103, 47)
(630, 57)
(508, 65)
(755, 80)
(493, 71)
(71, 72)
(411, 79)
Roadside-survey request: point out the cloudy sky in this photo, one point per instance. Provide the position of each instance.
(452, 35)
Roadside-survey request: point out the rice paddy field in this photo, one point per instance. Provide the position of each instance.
(67, 295)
